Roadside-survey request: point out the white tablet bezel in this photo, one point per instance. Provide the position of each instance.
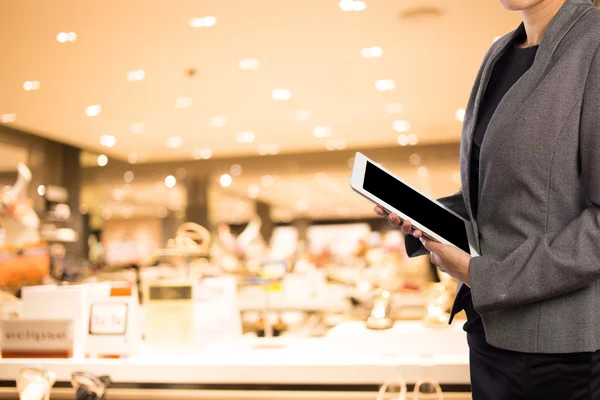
(357, 180)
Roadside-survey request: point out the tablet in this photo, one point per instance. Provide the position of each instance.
(393, 195)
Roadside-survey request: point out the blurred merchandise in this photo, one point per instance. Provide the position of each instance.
(35, 383)
(89, 387)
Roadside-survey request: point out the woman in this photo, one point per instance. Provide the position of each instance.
(530, 167)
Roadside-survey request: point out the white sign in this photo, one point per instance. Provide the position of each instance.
(108, 319)
(36, 337)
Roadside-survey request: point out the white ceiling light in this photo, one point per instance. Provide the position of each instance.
(403, 139)
(394, 108)
(137, 127)
(322, 131)
(136, 75)
(183, 102)
(352, 5)
(384, 85)
(268, 149)
(456, 177)
(63, 37)
(217, 121)
(401, 126)
(202, 154)
(302, 205)
(236, 170)
(249, 63)
(102, 160)
(174, 142)
(203, 22)
(132, 158)
(414, 159)
(94, 110)
(31, 85)
(108, 140)
(225, 180)
(281, 94)
(7, 118)
(128, 176)
(245, 137)
(371, 52)
(253, 191)
(267, 180)
(422, 172)
(335, 144)
(170, 181)
(460, 114)
(303, 115)
(41, 190)
(412, 139)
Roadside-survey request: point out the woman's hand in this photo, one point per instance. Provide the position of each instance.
(405, 226)
(449, 259)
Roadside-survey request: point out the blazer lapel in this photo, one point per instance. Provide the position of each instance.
(513, 100)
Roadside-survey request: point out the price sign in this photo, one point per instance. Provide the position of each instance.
(108, 319)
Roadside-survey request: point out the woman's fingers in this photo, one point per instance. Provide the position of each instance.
(404, 225)
(380, 211)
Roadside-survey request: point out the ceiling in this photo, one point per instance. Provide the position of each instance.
(311, 48)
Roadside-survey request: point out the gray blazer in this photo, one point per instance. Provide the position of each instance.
(537, 281)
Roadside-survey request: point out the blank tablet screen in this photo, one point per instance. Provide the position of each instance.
(416, 206)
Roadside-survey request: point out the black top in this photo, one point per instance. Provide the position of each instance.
(507, 71)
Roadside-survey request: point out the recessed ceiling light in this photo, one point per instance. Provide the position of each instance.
(303, 115)
(7, 118)
(281, 94)
(174, 142)
(249, 63)
(202, 154)
(403, 139)
(412, 139)
(236, 170)
(253, 191)
(183, 102)
(268, 149)
(352, 5)
(414, 159)
(136, 75)
(132, 158)
(203, 22)
(460, 114)
(31, 85)
(41, 190)
(422, 172)
(456, 177)
(335, 144)
(385, 84)
(170, 181)
(102, 160)
(401, 126)
(322, 131)
(137, 127)
(217, 121)
(128, 176)
(245, 137)
(394, 108)
(94, 110)
(108, 140)
(225, 180)
(371, 52)
(267, 180)
(63, 37)
(118, 195)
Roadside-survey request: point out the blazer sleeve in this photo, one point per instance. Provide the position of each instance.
(554, 263)
(456, 203)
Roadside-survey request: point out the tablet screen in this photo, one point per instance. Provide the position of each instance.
(415, 206)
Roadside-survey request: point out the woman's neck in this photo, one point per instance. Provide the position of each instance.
(537, 18)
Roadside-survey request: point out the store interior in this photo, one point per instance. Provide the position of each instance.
(176, 217)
